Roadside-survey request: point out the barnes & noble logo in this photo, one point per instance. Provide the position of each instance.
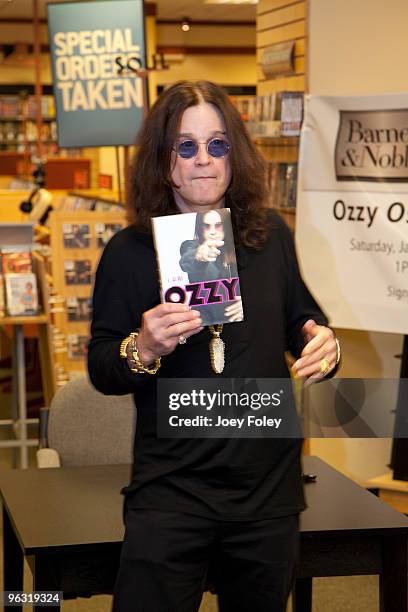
(372, 146)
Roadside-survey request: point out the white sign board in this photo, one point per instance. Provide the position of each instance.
(352, 211)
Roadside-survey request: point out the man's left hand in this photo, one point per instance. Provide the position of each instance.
(319, 356)
(234, 312)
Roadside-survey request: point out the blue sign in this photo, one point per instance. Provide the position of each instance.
(96, 50)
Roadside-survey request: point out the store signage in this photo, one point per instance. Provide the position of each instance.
(278, 59)
(97, 51)
(368, 152)
(352, 210)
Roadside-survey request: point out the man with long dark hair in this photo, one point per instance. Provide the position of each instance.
(231, 504)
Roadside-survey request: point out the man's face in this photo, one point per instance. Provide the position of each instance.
(200, 183)
(213, 228)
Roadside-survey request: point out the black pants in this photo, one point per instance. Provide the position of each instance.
(168, 559)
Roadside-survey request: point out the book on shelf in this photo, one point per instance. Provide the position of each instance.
(2, 297)
(77, 346)
(291, 185)
(10, 132)
(79, 308)
(282, 184)
(16, 262)
(197, 263)
(47, 107)
(10, 106)
(73, 202)
(21, 294)
(76, 235)
(272, 183)
(15, 107)
(105, 231)
(272, 115)
(242, 105)
(263, 116)
(291, 112)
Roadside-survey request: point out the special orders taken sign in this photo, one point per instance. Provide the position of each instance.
(352, 215)
(97, 49)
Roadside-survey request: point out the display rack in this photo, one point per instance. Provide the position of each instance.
(77, 240)
(19, 421)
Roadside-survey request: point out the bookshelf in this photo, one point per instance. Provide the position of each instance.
(19, 142)
(78, 236)
(273, 121)
(18, 127)
(281, 155)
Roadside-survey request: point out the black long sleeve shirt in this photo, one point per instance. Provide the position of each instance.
(230, 479)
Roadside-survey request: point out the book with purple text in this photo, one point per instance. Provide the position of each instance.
(197, 264)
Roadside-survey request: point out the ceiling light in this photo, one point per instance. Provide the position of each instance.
(185, 24)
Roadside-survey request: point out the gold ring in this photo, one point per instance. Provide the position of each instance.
(324, 366)
(182, 339)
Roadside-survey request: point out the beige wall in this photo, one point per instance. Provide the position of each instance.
(223, 69)
(204, 35)
(281, 21)
(359, 48)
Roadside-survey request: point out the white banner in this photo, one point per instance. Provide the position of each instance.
(352, 209)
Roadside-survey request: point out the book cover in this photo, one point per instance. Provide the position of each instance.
(105, 231)
(283, 186)
(78, 271)
(2, 300)
(76, 235)
(21, 294)
(16, 261)
(77, 346)
(273, 183)
(291, 112)
(79, 308)
(291, 185)
(197, 264)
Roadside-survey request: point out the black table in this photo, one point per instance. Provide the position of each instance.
(68, 523)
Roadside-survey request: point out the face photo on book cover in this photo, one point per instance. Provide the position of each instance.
(21, 294)
(197, 262)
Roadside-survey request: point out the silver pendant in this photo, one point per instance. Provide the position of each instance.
(217, 355)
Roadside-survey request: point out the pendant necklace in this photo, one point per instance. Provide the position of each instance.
(217, 348)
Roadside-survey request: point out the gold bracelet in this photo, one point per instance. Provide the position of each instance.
(124, 345)
(140, 367)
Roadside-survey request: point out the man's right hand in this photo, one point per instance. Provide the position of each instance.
(208, 250)
(162, 327)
